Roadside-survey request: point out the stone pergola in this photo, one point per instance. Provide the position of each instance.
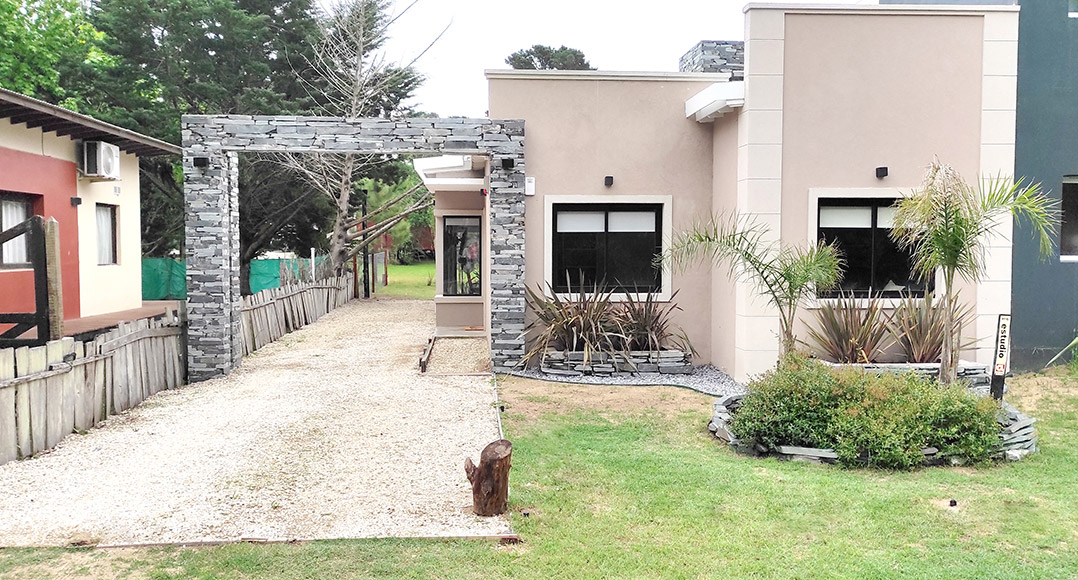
(211, 148)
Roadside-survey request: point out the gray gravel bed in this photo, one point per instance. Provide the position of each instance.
(705, 379)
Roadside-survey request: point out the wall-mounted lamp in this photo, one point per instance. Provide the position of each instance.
(608, 180)
(76, 201)
(881, 172)
(508, 163)
(202, 161)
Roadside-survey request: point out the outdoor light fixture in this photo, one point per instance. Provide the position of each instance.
(508, 163)
(202, 161)
(608, 180)
(76, 201)
(881, 172)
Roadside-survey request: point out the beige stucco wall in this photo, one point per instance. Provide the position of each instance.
(724, 200)
(113, 287)
(579, 130)
(102, 288)
(888, 99)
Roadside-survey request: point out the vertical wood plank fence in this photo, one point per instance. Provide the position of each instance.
(50, 391)
(274, 312)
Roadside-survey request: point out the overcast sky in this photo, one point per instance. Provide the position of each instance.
(613, 34)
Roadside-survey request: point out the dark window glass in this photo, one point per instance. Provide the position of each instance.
(611, 244)
(462, 246)
(874, 263)
(14, 209)
(1068, 232)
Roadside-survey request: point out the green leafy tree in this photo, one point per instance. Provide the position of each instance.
(946, 224)
(541, 57)
(40, 41)
(786, 275)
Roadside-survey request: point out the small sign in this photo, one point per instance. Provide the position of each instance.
(1002, 362)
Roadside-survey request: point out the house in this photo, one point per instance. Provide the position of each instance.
(85, 174)
(1044, 301)
(840, 110)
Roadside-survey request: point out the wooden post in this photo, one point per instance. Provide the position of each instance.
(54, 282)
(490, 481)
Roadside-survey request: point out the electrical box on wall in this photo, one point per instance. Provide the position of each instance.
(99, 161)
(529, 186)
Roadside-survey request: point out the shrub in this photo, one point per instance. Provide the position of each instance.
(848, 332)
(585, 322)
(918, 327)
(879, 420)
(648, 324)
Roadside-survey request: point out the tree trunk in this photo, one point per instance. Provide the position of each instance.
(948, 368)
(338, 245)
(490, 481)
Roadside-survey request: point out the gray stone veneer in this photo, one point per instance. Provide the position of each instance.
(713, 56)
(212, 206)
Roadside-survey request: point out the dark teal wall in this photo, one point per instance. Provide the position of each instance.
(1045, 293)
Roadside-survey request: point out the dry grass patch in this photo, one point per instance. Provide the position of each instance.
(1051, 391)
(530, 400)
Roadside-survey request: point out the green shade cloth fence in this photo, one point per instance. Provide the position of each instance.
(166, 278)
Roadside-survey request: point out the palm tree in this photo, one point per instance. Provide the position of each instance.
(784, 274)
(946, 223)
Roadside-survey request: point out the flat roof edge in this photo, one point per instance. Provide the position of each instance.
(598, 75)
(883, 8)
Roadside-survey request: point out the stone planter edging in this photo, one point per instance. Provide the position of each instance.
(571, 364)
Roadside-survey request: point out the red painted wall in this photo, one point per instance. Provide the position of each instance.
(53, 183)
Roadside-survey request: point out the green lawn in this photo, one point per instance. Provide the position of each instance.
(409, 281)
(627, 483)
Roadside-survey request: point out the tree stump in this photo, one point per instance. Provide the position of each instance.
(490, 480)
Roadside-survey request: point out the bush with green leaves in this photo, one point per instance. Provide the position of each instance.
(882, 421)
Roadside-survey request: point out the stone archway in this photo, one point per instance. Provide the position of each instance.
(211, 147)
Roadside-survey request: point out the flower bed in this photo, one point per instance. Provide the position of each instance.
(810, 411)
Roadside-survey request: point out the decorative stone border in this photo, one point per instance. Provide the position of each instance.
(571, 364)
(976, 374)
(1017, 437)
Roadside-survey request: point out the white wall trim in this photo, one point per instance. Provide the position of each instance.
(548, 235)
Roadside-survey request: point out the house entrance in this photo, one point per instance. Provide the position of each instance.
(211, 144)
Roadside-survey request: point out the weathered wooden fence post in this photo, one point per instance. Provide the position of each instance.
(54, 281)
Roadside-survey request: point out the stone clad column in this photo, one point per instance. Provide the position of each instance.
(505, 142)
(211, 242)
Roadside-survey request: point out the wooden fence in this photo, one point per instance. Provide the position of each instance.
(49, 391)
(274, 312)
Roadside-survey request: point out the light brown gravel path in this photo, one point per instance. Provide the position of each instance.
(330, 432)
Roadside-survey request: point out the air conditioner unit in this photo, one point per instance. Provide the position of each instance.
(100, 161)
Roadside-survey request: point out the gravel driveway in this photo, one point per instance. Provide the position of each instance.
(330, 432)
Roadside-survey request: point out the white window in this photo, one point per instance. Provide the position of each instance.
(106, 234)
(14, 209)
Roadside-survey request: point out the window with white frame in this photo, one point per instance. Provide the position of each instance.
(462, 257)
(875, 264)
(14, 209)
(1068, 230)
(613, 244)
(106, 234)
(1072, 8)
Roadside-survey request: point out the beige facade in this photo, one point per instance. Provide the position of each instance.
(830, 94)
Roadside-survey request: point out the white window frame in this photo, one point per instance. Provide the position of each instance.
(1071, 258)
(115, 210)
(818, 193)
(666, 201)
(28, 202)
